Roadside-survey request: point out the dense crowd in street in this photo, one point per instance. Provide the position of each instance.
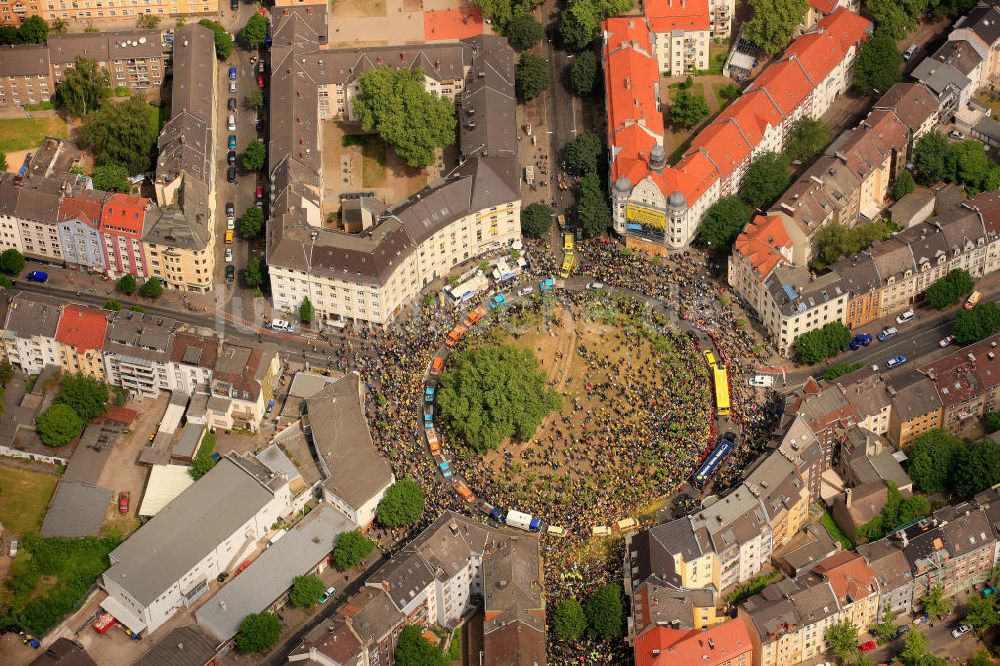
(636, 436)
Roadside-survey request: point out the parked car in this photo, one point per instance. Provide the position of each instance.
(41, 277)
(902, 629)
(231, 174)
(595, 285)
(260, 123)
(230, 209)
(232, 142)
(229, 255)
(232, 87)
(260, 81)
(231, 158)
(887, 333)
(231, 122)
(762, 381)
(123, 502)
(524, 291)
(230, 273)
(923, 619)
(910, 51)
(243, 567)
(860, 340)
(260, 67)
(955, 134)
(895, 361)
(230, 223)
(234, 5)
(259, 192)
(232, 73)
(28, 639)
(329, 592)
(972, 300)
(960, 631)
(905, 316)
(947, 340)
(231, 105)
(222, 576)
(867, 646)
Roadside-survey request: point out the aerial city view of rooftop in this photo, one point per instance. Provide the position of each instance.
(500, 332)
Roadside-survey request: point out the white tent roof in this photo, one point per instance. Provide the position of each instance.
(165, 483)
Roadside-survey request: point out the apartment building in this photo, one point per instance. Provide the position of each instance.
(966, 383)
(192, 360)
(80, 339)
(759, 249)
(916, 409)
(658, 207)
(79, 225)
(892, 574)
(179, 236)
(37, 215)
(134, 59)
(513, 603)
(242, 385)
(122, 219)
(137, 352)
(796, 302)
(655, 604)
(680, 31)
(10, 233)
(726, 644)
(787, 621)
(870, 396)
(825, 411)
(782, 493)
(365, 277)
(29, 332)
(82, 10)
(168, 563)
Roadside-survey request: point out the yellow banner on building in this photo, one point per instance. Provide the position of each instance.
(647, 217)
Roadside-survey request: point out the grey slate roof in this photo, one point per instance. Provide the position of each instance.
(296, 553)
(29, 315)
(77, 510)
(24, 60)
(187, 529)
(184, 646)
(356, 470)
(940, 77)
(984, 20)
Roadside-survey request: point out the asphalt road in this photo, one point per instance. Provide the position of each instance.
(561, 116)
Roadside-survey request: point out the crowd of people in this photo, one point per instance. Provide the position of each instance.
(637, 428)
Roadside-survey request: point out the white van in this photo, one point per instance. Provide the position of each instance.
(910, 51)
(555, 530)
(282, 325)
(232, 122)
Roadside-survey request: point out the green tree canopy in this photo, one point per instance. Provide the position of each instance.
(568, 620)
(254, 156)
(580, 23)
(583, 153)
(774, 22)
(981, 658)
(765, 180)
(928, 157)
(411, 120)
(892, 17)
(536, 220)
(583, 73)
(843, 640)
(84, 87)
(307, 313)
(254, 99)
(11, 262)
(251, 222)
(592, 207)
(3, 161)
(523, 31)
(605, 613)
(258, 632)
(127, 284)
(531, 77)
(687, 110)
(950, 289)
(146, 22)
(915, 652)
(934, 602)
(723, 223)
(223, 40)
(412, 649)
(495, 392)
(966, 163)
(203, 461)
(814, 346)
(991, 421)
(885, 628)
(877, 67)
(254, 31)
(501, 12)
(33, 30)
(84, 394)
(306, 590)
(111, 178)
(976, 467)
(121, 133)
(351, 550)
(403, 504)
(58, 425)
(152, 288)
(976, 324)
(930, 460)
(808, 138)
(897, 512)
(981, 613)
(255, 271)
(834, 240)
(904, 185)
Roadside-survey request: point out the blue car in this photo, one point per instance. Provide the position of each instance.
(861, 340)
(547, 285)
(428, 420)
(232, 73)
(895, 361)
(886, 334)
(232, 142)
(429, 394)
(445, 469)
(498, 301)
(41, 277)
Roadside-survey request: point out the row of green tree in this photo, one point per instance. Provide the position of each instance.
(950, 289)
(836, 240)
(814, 346)
(976, 324)
(962, 162)
(939, 462)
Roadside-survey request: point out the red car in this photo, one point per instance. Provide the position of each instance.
(260, 81)
(123, 499)
(865, 647)
(242, 567)
(259, 193)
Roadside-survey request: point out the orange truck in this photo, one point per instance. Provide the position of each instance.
(436, 366)
(433, 443)
(474, 316)
(454, 334)
(464, 492)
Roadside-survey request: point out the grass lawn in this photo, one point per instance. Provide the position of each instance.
(373, 164)
(719, 97)
(24, 133)
(835, 531)
(25, 498)
(157, 115)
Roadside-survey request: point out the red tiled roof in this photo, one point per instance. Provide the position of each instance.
(818, 53)
(786, 84)
(823, 6)
(120, 414)
(82, 327)
(124, 213)
(696, 175)
(753, 112)
(85, 207)
(849, 575)
(725, 145)
(847, 27)
(670, 15)
(452, 24)
(631, 79)
(711, 647)
(630, 142)
(627, 30)
(762, 241)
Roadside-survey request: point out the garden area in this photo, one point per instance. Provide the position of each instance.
(24, 498)
(17, 134)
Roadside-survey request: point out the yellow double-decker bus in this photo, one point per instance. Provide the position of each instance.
(721, 377)
(569, 259)
(568, 242)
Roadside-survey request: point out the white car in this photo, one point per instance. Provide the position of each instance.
(958, 632)
(955, 134)
(946, 341)
(232, 87)
(232, 122)
(595, 285)
(762, 381)
(229, 255)
(231, 223)
(905, 316)
(525, 291)
(280, 325)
